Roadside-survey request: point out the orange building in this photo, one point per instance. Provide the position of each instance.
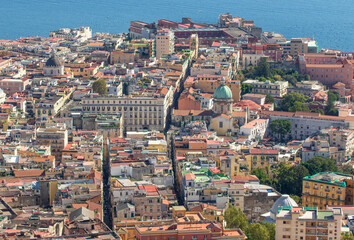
(188, 102)
(208, 83)
(188, 231)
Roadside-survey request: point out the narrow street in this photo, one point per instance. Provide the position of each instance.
(106, 186)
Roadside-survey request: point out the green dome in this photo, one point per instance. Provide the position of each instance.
(223, 92)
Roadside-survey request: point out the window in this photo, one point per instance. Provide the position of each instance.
(221, 124)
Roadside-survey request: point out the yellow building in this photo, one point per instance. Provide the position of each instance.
(158, 145)
(262, 158)
(228, 163)
(178, 211)
(327, 188)
(124, 57)
(4, 121)
(84, 70)
(208, 83)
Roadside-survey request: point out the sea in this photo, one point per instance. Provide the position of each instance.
(330, 22)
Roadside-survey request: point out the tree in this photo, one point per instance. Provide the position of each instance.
(347, 236)
(246, 88)
(263, 69)
(271, 229)
(348, 169)
(320, 164)
(260, 173)
(290, 99)
(299, 106)
(264, 178)
(277, 71)
(297, 199)
(281, 127)
(318, 110)
(100, 87)
(257, 231)
(235, 218)
(330, 109)
(332, 97)
(291, 79)
(290, 179)
(269, 99)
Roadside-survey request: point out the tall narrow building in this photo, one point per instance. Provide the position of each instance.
(194, 45)
(164, 43)
(106, 188)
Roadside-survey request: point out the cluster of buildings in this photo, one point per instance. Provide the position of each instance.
(171, 141)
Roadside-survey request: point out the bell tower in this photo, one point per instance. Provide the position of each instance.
(194, 44)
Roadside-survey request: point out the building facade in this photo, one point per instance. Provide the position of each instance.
(327, 188)
(138, 112)
(165, 43)
(301, 223)
(276, 89)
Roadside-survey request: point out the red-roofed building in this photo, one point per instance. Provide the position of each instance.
(329, 69)
(262, 157)
(30, 173)
(188, 231)
(148, 203)
(188, 102)
(254, 130)
(245, 179)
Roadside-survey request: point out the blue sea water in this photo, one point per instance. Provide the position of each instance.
(330, 22)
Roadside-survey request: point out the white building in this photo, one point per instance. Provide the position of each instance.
(53, 66)
(251, 59)
(82, 33)
(306, 124)
(275, 89)
(2, 96)
(315, 148)
(206, 100)
(255, 129)
(139, 112)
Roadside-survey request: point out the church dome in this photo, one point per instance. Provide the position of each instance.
(283, 201)
(53, 61)
(222, 92)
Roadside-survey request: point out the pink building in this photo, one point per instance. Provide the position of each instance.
(273, 51)
(10, 86)
(328, 69)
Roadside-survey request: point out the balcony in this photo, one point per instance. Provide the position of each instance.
(320, 225)
(311, 226)
(311, 233)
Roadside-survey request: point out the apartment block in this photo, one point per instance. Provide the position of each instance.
(261, 158)
(275, 89)
(55, 136)
(343, 139)
(165, 43)
(327, 188)
(299, 223)
(138, 112)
